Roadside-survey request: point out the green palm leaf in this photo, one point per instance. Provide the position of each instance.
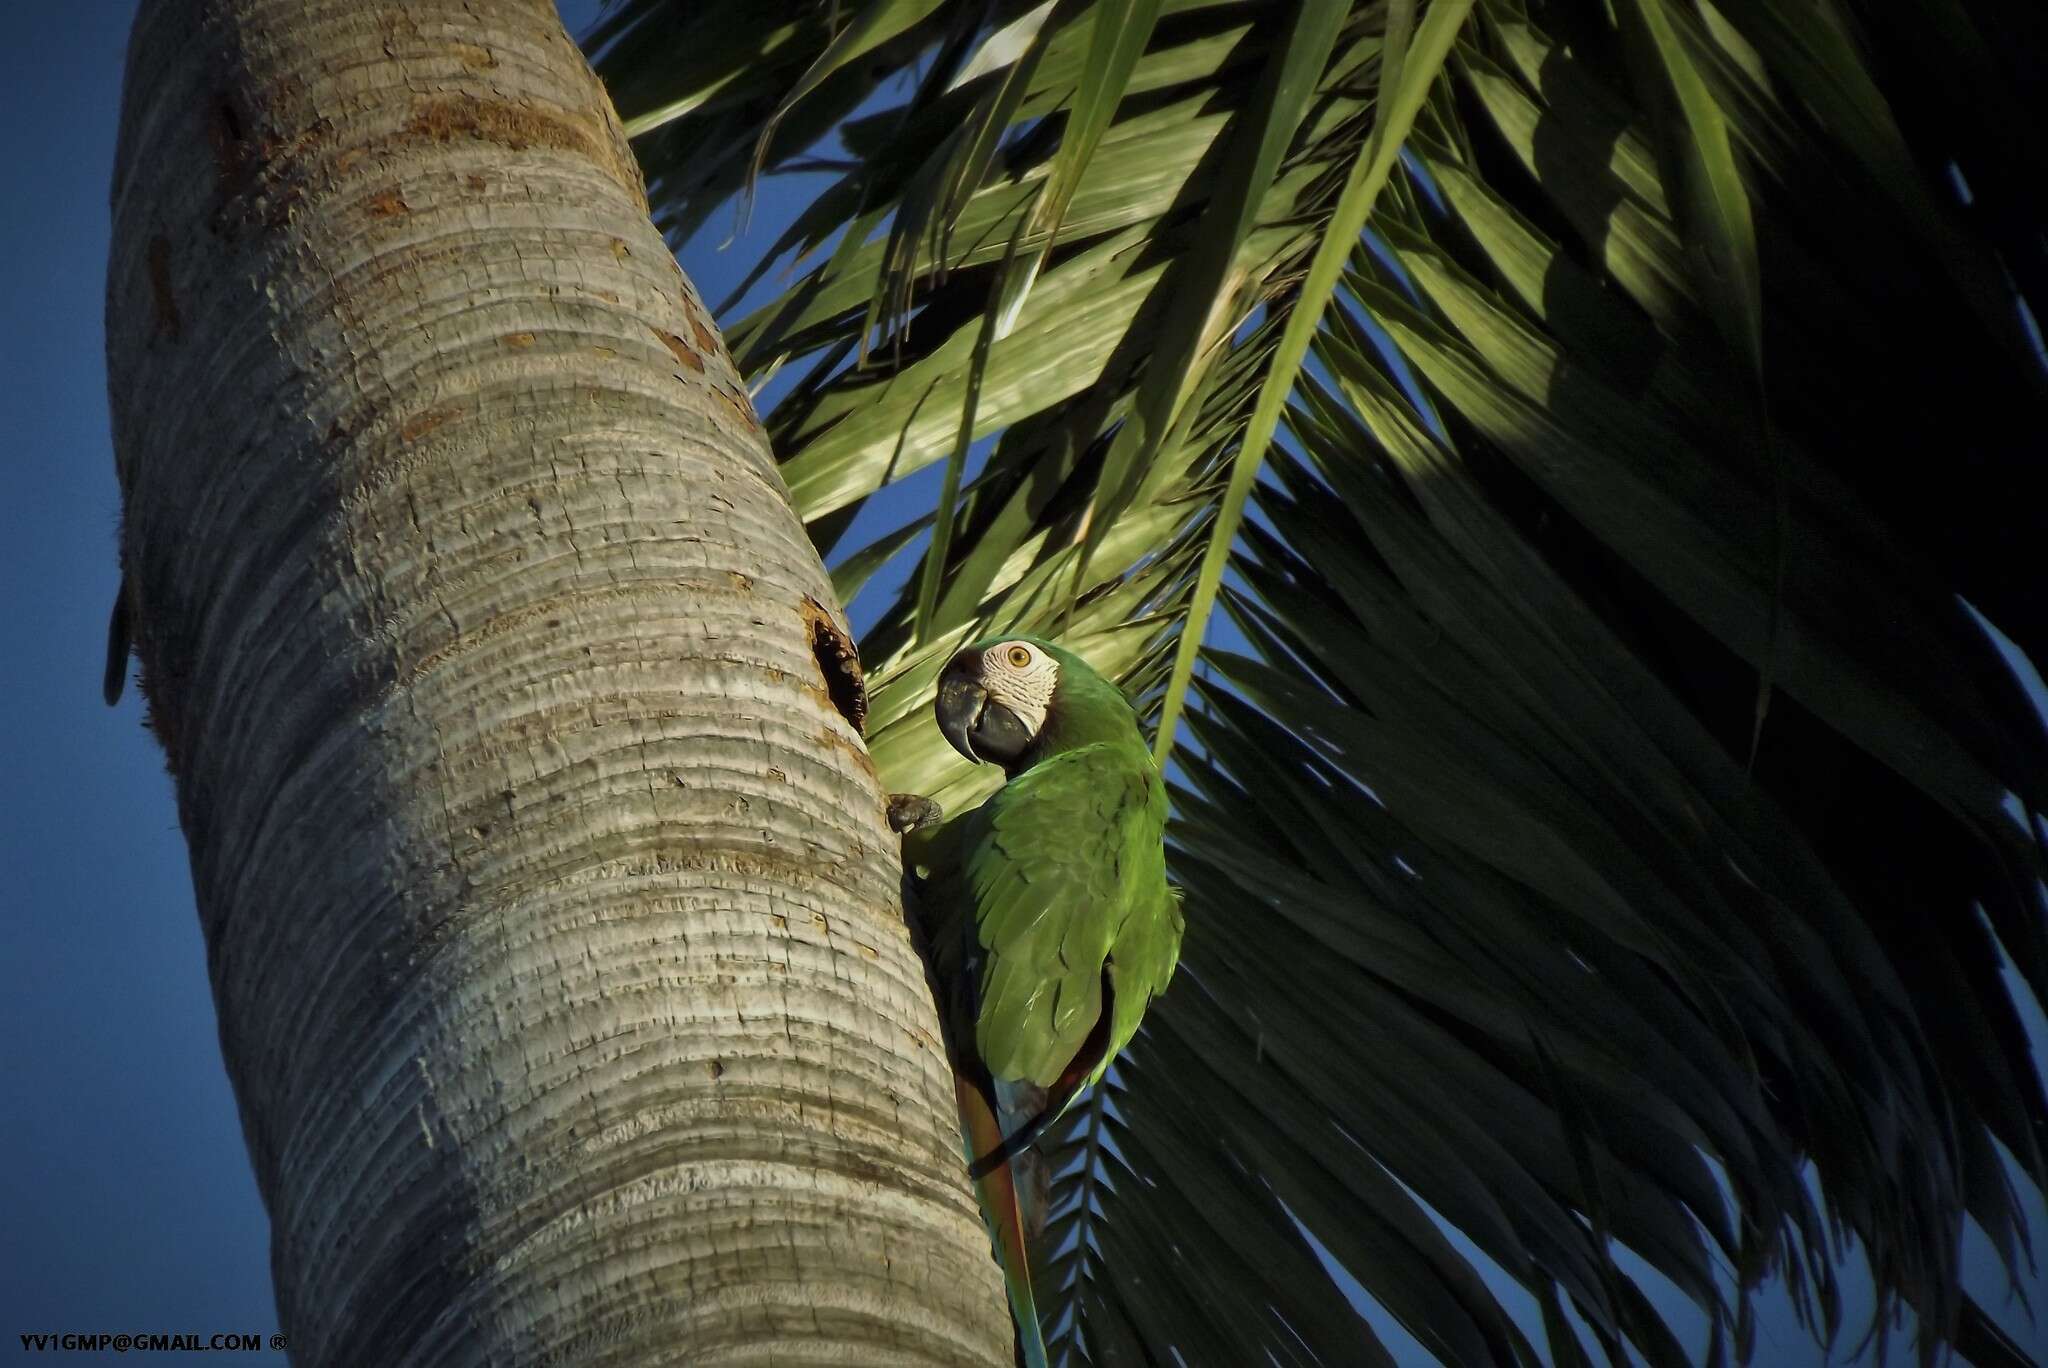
(1673, 361)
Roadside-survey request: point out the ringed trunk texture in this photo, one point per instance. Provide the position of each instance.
(549, 904)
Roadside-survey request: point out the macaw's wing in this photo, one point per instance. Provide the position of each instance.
(1140, 963)
(1065, 865)
(1144, 957)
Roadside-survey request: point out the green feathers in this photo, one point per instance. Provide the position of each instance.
(1049, 921)
(1051, 897)
(1066, 871)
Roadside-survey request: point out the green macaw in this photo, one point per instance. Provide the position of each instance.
(1046, 911)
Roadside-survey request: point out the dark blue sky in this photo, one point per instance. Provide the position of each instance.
(129, 1201)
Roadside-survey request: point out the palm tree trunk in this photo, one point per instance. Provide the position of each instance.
(550, 908)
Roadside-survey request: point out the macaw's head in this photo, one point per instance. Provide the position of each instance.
(1003, 700)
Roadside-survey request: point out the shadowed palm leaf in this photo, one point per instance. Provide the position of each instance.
(1611, 811)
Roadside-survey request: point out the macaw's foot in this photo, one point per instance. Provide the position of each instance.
(909, 812)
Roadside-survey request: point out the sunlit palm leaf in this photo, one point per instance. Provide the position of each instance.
(1488, 926)
(1406, 75)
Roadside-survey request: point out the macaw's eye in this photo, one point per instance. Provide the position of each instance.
(1020, 656)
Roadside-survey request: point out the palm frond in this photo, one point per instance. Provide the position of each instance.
(1673, 371)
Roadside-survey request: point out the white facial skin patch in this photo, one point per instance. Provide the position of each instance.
(1020, 677)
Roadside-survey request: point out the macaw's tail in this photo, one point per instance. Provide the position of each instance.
(996, 1187)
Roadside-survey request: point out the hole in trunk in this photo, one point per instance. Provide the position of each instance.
(838, 663)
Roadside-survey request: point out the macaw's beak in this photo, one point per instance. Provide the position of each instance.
(976, 725)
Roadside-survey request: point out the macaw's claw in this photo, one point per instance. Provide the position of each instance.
(910, 812)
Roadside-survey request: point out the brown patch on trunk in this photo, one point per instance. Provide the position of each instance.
(473, 56)
(707, 340)
(680, 348)
(445, 118)
(420, 424)
(168, 323)
(518, 341)
(387, 203)
(736, 399)
(838, 665)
